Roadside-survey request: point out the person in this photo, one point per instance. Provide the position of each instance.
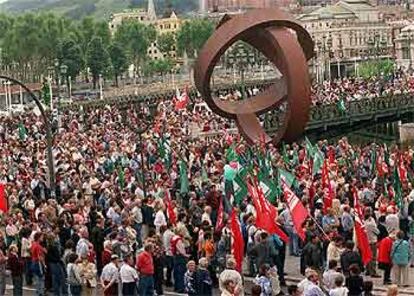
(228, 288)
(264, 251)
(97, 239)
(293, 290)
(263, 280)
(312, 254)
(367, 288)
(331, 275)
(110, 277)
(349, 257)
(400, 256)
(15, 264)
(372, 233)
(180, 258)
(335, 249)
(203, 282)
(129, 277)
(256, 290)
(313, 288)
(25, 254)
(74, 279)
(392, 290)
(169, 261)
(55, 264)
(354, 281)
(38, 253)
(339, 289)
(231, 274)
(87, 271)
(189, 278)
(384, 256)
(145, 267)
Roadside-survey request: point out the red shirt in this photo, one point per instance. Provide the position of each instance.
(37, 251)
(384, 250)
(145, 265)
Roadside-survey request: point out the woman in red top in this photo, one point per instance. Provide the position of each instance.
(384, 256)
(38, 262)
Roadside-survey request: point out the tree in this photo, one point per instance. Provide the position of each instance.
(119, 61)
(192, 36)
(97, 59)
(376, 68)
(137, 38)
(166, 43)
(71, 55)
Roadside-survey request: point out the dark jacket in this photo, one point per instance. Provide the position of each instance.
(312, 254)
(97, 239)
(203, 283)
(354, 284)
(348, 258)
(264, 252)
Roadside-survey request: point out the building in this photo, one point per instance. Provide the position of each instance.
(233, 5)
(170, 24)
(404, 47)
(346, 33)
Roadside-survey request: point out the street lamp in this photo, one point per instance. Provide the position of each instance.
(141, 116)
(100, 87)
(324, 48)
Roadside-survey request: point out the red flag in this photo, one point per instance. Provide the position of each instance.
(331, 155)
(298, 212)
(220, 217)
(266, 213)
(361, 233)
(170, 210)
(380, 167)
(181, 100)
(327, 187)
(3, 198)
(237, 242)
(402, 171)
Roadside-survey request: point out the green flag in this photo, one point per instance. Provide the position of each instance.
(46, 93)
(310, 150)
(164, 150)
(373, 159)
(341, 105)
(269, 188)
(240, 189)
(285, 156)
(397, 188)
(289, 178)
(231, 154)
(183, 178)
(22, 132)
(121, 178)
(317, 162)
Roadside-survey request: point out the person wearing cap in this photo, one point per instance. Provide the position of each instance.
(233, 275)
(110, 277)
(129, 276)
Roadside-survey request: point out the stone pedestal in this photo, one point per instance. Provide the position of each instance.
(406, 133)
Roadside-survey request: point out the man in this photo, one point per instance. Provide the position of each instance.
(180, 260)
(349, 257)
(38, 262)
(312, 254)
(169, 261)
(372, 233)
(264, 251)
(347, 222)
(110, 277)
(330, 275)
(129, 276)
(145, 267)
(82, 247)
(97, 239)
(313, 288)
(233, 275)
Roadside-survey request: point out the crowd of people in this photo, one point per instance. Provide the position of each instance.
(136, 217)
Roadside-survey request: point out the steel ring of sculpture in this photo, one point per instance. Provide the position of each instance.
(287, 45)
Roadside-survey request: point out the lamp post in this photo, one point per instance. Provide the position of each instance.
(100, 87)
(46, 122)
(324, 49)
(141, 116)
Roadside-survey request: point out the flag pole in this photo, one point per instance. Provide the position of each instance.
(319, 226)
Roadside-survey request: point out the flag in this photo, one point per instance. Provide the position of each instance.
(22, 132)
(220, 217)
(287, 177)
(310, 150)
(237, 245)
(361, 233)
(298, 212)
(231, 154)
(402, 171)
(317, 162)
(373, 160)
(341, 105)
(184, 184)
(285, 156)
(181, 100)
(397, 188)
(3, 198)
(121, 178)
(266, 213)
(164, 150)
(240, 189)
(380, 167)
(227, 137)
(269, 188)
(170, 211)
(326, 185)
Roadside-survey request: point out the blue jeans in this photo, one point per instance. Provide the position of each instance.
(137, 228)
(179, 271)
(58, 278)
(75, 290)
(294, 242)
(39, 284)
(146, 286)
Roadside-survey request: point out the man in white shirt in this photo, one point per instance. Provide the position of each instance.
(166, 241)
(129, 276)
(110, 277)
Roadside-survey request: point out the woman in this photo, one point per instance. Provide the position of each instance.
(203, 282)
(263, 280)
(400, 256)
(384, 257)
(87, 271)
(15, 265)
(74, 279)
(229, 287)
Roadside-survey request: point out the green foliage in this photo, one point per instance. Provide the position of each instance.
(97, 58)
(71, 55)
(119, 61)
(166, 43)
(160, 67)
(136, 38)
(376, 68)
(192, 36)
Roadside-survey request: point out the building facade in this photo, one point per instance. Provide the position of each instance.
(234, 5)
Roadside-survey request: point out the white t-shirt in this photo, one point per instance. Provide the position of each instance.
(341, 291)
(128, 274)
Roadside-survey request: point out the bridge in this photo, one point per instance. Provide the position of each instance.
(323, 119)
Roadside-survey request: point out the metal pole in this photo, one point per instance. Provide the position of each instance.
(21, 96)
(100, 87)
(49, 138)
(9, 99)
(70, 86)
(339, 69)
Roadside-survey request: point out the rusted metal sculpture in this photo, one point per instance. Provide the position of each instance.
(283, 42)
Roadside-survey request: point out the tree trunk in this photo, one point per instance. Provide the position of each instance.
(116, 80)
(94, 78)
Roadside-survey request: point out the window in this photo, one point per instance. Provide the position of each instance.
(405, 53)
(150, 51)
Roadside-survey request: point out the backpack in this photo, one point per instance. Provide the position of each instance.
(174, 240)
